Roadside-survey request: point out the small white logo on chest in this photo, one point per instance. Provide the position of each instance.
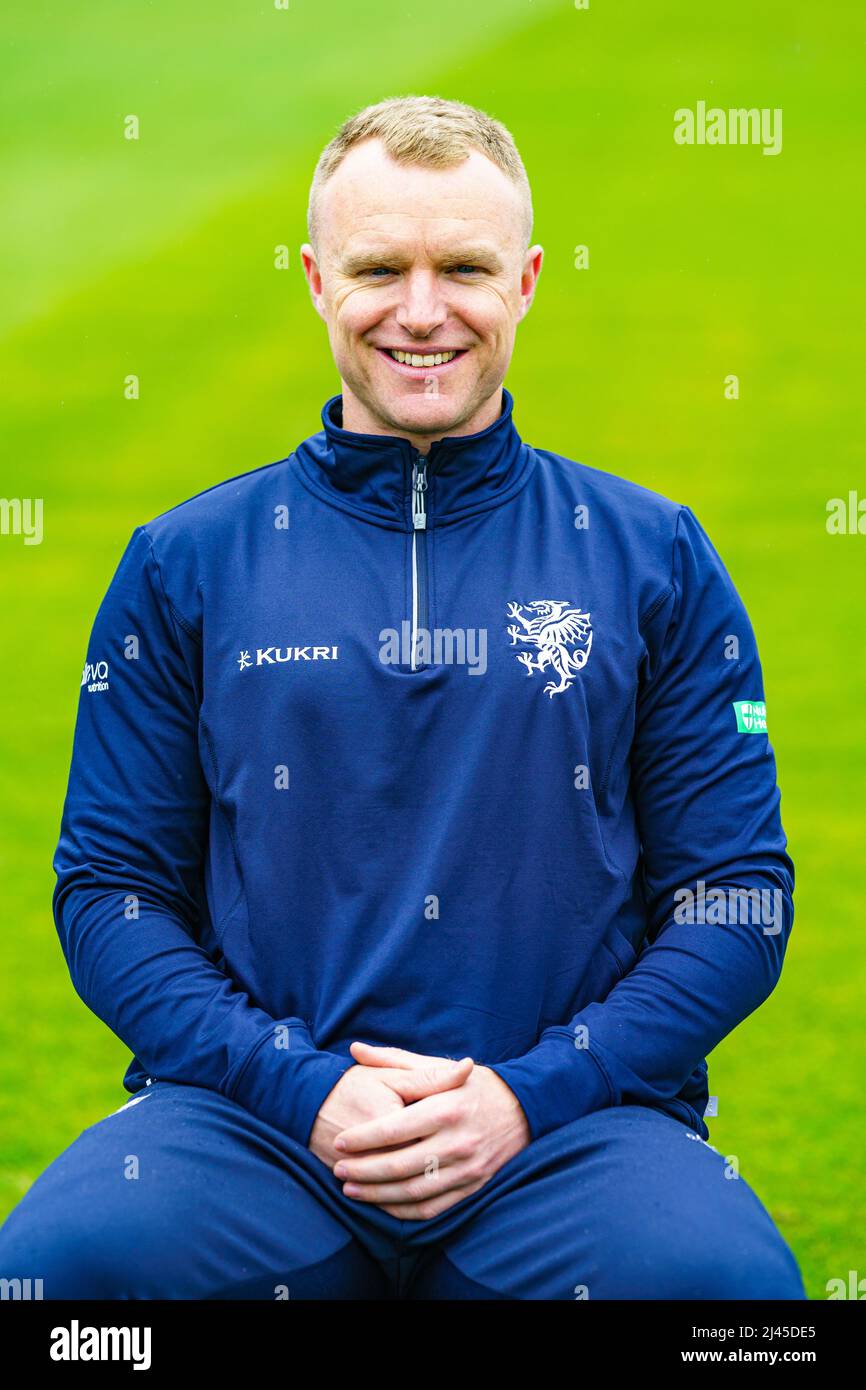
(561, 635)
(275, 656)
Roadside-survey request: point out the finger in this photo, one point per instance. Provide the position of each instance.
(419, 1121)
(373, 1056)
(430, 1080)
(417, 1190)
(390, 1165)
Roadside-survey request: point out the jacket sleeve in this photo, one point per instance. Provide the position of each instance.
(130, 862)
(703, 783)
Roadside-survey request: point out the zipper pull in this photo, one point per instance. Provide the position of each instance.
(419, 487)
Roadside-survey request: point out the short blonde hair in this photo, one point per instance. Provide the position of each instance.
(423, 130)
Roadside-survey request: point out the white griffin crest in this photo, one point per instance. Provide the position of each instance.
(561, 634)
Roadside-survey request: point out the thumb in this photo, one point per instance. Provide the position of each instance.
(371, 1055)
(418, 1082)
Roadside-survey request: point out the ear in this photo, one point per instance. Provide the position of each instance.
(532, 262)
(314, 277)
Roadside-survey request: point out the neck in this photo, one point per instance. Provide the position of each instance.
(361, 419)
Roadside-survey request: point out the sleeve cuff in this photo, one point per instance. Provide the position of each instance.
(556, 1082)
(285, 1079)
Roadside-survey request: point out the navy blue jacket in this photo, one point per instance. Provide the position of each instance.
(463, 753)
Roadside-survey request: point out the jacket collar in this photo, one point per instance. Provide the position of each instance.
(371, 474)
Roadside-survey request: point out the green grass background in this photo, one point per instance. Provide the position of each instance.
(155, 257)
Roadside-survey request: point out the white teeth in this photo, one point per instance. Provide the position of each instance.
(415, 359)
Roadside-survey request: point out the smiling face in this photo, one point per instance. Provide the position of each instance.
(422, 277)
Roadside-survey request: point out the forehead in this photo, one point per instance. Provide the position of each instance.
(372, 195)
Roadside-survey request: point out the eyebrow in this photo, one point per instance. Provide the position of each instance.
(359, 260)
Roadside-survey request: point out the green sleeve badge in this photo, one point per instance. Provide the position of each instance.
(751, 716)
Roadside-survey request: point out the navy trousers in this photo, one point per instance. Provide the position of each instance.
(182, 1194)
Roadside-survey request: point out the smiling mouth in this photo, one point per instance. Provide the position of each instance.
(423, 359)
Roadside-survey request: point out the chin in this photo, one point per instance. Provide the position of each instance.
(422, 411)
(442, 417)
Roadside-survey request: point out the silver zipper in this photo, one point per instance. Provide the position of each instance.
(419, 487)
(419, 523)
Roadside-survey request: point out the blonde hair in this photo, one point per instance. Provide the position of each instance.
(423, 130)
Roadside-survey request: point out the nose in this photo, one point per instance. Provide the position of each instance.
(421, 307)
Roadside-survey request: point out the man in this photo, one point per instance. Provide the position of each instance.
(420, 782)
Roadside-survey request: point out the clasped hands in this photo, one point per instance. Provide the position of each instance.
(414, 1135)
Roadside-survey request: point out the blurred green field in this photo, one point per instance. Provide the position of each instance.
(156, 257)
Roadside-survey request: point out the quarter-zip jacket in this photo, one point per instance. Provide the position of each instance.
(293, 820)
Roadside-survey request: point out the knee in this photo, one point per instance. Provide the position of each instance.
(50, 1255)
(770, 1273)
(723, 1270)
